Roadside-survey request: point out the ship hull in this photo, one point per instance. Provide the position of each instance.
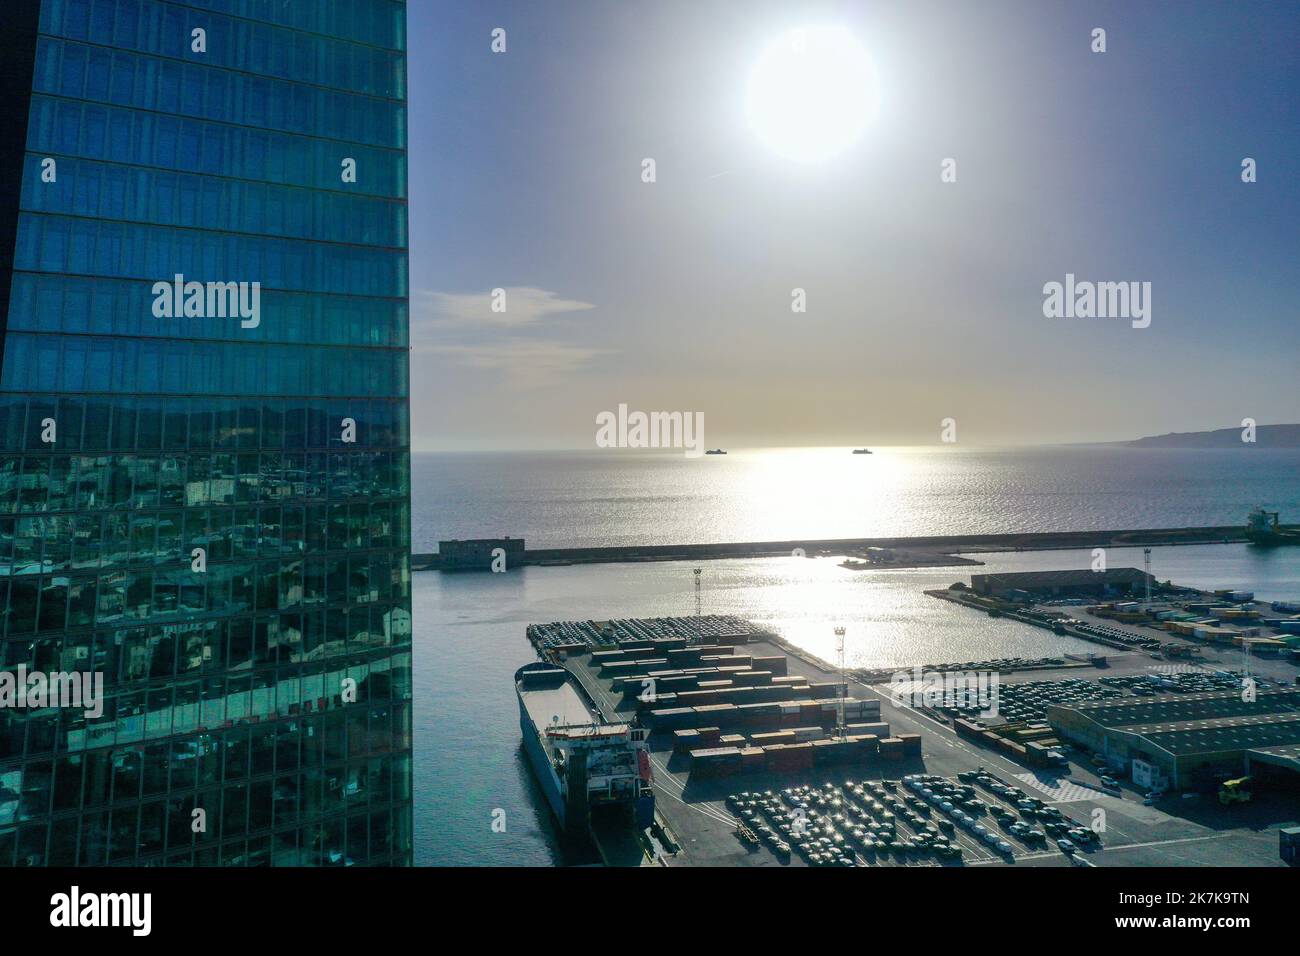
(1274, 539)
(541, 766)
(538, 758)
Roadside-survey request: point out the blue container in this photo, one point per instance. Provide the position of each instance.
(645, 810)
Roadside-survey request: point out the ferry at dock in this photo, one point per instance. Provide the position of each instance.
(584, 765)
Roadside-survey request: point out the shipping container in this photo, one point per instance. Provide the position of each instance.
(891, 748)
(868, 744)
(877, 729)
(774, 737)
(685, 740)
(776, 665)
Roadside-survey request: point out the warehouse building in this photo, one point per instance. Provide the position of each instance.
(1073, 583)
(1191, 742)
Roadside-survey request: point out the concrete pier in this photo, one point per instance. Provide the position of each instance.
(925, 551)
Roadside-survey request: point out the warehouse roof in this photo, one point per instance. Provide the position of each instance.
(1130, 712)
(1186, 726)
(1031, 579)
(1223, 736)
(1286, 755)
(1082, 579)
(1200, 723)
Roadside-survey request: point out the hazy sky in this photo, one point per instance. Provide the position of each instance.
(924, 299)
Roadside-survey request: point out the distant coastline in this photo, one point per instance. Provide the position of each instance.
(1266, 436)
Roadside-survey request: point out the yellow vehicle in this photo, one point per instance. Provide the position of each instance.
(1235, 791)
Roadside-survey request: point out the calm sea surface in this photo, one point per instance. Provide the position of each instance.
(469, 629)
(576, 499)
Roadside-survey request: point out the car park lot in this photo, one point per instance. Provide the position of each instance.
(1028, 700)
(1172, 832)
(920, 819)
(1025, 695)
(1186, 833)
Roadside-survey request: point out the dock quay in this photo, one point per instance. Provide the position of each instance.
(745, 734)
(1029, 617)
(923, 551)
(1124, 611)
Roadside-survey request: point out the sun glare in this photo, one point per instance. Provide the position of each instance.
(812, 93)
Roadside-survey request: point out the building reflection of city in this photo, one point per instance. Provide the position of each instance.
(265, 692)
(271, 631)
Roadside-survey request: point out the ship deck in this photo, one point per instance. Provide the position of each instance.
(545, 704)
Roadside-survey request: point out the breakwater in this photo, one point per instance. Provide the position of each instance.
(920, 546)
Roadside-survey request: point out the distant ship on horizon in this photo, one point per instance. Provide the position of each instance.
(862, 451)
(715, 451)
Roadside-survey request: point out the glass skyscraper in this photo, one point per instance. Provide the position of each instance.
(204, 475)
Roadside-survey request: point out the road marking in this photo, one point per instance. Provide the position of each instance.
(1060, 791)
(1019, 856)
(1199, 839)
(702, 808)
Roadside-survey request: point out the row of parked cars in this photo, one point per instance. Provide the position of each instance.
(881, 803)
(758, 813)
(1114, 633)
(961, 803)
(1178, 682)
(830, 825)
(842, 826)
(1028, 701)
(1024, 811)
(811, 820)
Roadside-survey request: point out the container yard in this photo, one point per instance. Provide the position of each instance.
(760, 755)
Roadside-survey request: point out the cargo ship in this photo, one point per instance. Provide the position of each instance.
(862, 451)
(1262, 528)
(585, 766)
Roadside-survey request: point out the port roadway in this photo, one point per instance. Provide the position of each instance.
(1183, 832)
(924, 551)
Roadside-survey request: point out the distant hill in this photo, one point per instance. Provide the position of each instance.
(1266, 436)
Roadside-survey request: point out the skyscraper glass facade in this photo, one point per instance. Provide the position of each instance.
(204, 476)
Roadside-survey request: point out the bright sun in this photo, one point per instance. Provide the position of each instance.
(811, 93)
